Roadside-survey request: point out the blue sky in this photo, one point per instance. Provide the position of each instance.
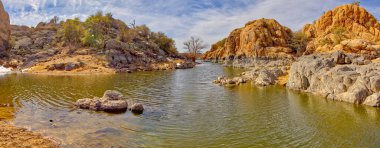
(210, 20)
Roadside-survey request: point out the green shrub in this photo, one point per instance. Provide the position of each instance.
(326, 41)
(97, 27)
(143, 31)
(12, 42)
(338, 33)
(72, 31)
(164, 43)
(89, 39)
(127, 35)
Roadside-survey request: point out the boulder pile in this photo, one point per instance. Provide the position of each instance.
(112, 101)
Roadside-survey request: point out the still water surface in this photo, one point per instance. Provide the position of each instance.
(184, 109)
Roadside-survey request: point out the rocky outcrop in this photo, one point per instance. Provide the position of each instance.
(112, 101)
(224, 81)
(185, 65)
(261, 73)
(363, 47)
(341, 61)
(336, 77)
(344, 22)
(65, 66)
(5, 28)
(343, 65)
(45, 49)
(264, 38)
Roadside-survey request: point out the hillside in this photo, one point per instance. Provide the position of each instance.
(100, 44)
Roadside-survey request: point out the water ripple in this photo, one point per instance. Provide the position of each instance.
(184, 109)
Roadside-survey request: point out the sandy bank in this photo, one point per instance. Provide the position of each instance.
(11, 136)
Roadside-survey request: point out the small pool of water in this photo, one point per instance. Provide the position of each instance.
(184, 109)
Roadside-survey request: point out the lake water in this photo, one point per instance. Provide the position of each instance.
(184, 109)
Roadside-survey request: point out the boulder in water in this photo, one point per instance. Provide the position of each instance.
(112, 101)
(137, 108)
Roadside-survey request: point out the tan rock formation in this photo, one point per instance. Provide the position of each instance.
(259, 38)
(344, 22)
(5, 28)
(337, 76)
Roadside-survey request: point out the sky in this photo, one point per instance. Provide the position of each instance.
(210, 20)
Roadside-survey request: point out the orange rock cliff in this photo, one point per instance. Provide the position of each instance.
(259, 38)
(349, 27)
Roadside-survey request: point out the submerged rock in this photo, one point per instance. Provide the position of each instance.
(185, 65)
(137, 108)
(265, 78)
(261, 73)
(222, 80)
(112, 101)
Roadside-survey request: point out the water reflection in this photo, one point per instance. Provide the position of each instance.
(184, 109)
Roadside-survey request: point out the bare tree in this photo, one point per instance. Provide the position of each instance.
(133, 24)
(54, 20)
(194, 46)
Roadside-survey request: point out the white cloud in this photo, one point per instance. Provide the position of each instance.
(211, 20)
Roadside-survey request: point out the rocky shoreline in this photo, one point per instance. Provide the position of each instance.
(337, 76)
(112, 102)
(101, 44)
(338, 56)
(11, 136)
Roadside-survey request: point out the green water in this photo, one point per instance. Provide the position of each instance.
(184, 109)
